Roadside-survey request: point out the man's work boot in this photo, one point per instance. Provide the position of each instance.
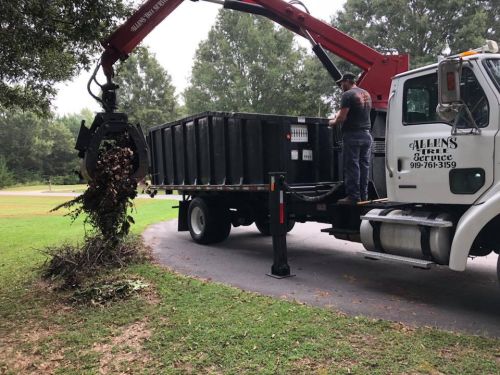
(347, 201)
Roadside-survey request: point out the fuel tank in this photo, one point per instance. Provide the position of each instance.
(413, 234)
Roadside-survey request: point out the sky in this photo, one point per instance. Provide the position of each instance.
(174, 43)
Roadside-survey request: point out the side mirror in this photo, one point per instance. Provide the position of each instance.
(450, 104)
(449, 73)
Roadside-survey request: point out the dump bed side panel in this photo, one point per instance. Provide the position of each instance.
(240, 149)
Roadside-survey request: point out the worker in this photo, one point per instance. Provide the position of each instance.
(354, 115)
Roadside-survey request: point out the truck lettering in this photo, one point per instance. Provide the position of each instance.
(433, 153)
(419, 157)
(440, 143)
(147, 15)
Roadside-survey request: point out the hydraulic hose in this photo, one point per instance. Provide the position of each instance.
(315, 199)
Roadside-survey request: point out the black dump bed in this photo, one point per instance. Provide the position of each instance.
(239, 150)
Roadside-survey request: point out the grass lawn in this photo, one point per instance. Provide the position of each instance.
(55, 188)
(183, 325)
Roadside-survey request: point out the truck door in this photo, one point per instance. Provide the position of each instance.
(426, 162)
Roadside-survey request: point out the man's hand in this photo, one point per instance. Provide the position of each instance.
(339, 117)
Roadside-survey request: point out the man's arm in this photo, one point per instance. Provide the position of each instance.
(339, 117)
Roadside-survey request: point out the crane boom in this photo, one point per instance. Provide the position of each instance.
(378, 69)
(123, 41)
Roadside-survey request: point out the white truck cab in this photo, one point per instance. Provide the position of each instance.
(431, 160)
(443, 162)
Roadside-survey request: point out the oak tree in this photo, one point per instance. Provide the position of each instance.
(249, 64)
(45, 42)
(421, 28)
(146, 91)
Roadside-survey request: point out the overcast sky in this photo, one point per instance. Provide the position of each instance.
(174, 42)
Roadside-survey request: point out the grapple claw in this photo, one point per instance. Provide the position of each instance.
(111, 127)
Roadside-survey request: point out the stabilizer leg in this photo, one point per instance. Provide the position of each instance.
(278, 222)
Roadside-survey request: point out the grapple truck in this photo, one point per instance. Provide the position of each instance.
(434, 194)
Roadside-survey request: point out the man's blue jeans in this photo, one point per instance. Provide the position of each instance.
(357, 156)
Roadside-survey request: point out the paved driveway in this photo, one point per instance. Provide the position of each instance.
(331, 273)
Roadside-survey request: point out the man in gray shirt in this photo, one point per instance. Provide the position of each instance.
(354, 115)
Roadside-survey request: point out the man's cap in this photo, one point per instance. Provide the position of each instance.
(347, 77)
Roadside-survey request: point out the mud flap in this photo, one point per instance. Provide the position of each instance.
(183, 216)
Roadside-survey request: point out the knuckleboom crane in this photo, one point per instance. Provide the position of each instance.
(378, 69)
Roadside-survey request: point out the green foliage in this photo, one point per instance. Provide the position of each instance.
(22, 143)
(146, 92)
(61, 158)
(66, 179)
(44, 42)
(6, 176)
(73, 121)
(35, 148)
(420, 27)
(248, 64)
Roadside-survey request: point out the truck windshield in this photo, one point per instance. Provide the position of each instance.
(493, 67)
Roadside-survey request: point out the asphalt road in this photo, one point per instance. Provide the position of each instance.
(331, 273)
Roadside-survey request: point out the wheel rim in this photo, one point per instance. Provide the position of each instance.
(197, 221)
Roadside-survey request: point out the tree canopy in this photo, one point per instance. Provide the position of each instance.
(32, 148)
(247, 63)
(72, 121)
(420, 27)
(45, 42)
(146, 91)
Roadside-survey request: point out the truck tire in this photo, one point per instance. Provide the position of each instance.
(265, 229)
(208, 221)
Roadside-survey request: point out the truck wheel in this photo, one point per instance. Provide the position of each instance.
(265, 229)
(481, 251)
(208, 221)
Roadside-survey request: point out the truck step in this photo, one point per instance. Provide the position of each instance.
(408, 220)
(417, 263)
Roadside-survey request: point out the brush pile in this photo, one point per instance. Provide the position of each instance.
(71, 265)
(109, 196)
(106, 206)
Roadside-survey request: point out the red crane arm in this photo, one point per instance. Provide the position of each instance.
(123, 41)
(378, 69)
(332, 39)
